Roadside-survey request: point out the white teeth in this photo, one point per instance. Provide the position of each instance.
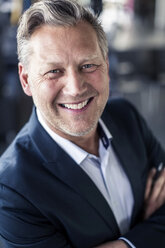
(76, 106)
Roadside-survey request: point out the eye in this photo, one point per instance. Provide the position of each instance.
(53, 74)
(55, 71)
(89, 68)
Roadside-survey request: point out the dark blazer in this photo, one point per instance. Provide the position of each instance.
(48, 201)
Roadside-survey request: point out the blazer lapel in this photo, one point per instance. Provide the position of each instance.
(130, 165)
(127, 157)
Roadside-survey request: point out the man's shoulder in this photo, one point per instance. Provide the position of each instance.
(122, 116)
(119, 108)
(20, 142)
(116, 102)
(17, 156)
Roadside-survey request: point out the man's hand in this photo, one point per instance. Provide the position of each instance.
(154, 194)
(114, 244)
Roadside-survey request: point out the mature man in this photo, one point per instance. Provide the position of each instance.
(71, 178)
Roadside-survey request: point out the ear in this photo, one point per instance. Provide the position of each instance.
(23, 75)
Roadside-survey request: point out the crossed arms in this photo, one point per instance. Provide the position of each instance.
(154, 199)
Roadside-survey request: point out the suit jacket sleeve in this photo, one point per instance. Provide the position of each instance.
(151, 232)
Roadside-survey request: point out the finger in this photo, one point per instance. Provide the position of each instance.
(161, 197)
(154, 204)
(156, 197)
(162, 189)
(149, 183)
(158, 187)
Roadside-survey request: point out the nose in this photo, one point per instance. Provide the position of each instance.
(74, 83)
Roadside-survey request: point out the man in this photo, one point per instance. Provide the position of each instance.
(71, 178)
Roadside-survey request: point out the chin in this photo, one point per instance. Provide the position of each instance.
(80, 132)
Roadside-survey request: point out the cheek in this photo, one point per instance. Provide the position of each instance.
(100, 82)
(43, 90)
(49, 91)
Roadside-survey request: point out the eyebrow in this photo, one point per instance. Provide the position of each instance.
(90, 58)
(53, 63)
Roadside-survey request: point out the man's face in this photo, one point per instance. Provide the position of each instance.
(68, 78)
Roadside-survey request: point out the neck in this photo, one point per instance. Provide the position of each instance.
(89, 144)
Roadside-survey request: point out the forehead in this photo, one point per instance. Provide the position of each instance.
(62, 41)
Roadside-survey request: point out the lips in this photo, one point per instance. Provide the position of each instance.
(76, 106)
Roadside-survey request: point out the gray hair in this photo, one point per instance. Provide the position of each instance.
(56, 13)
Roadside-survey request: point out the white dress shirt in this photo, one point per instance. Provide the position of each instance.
(105, 171)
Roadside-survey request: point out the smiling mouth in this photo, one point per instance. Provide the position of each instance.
(77, 106)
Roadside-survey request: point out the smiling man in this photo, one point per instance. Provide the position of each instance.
(79, 174)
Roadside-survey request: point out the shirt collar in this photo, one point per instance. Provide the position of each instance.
(74, 151)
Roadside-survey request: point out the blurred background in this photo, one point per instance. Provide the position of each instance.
(136, 34)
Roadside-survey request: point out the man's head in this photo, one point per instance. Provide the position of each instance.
(55, 13)
(64, 66)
